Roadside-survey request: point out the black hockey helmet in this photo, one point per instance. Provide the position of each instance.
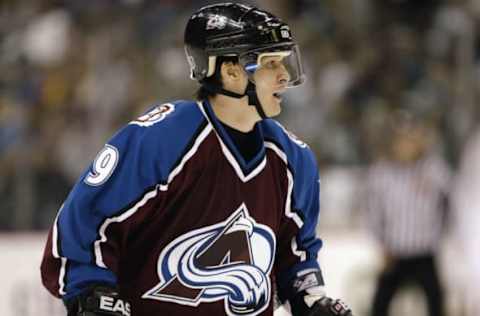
(230, 29)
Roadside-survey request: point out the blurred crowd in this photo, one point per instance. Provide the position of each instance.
(73, 72)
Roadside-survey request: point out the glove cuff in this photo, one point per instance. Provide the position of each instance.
(305, 290)
(98, 300)
(324, 306)
(311, 280)
(313, 294)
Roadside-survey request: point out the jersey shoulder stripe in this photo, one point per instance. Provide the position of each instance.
(300, 157)
(162, 135)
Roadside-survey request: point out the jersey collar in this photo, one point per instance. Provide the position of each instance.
(248, 169)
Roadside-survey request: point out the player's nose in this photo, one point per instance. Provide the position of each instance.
(283, 76)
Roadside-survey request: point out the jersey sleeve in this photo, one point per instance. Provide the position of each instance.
(297, 252)
(78, 251)
(127, 177)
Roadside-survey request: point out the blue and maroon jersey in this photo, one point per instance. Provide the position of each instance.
(171, 213)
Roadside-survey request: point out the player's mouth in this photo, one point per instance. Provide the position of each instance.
(278, 95)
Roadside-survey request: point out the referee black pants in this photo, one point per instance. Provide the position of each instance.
(421, 270)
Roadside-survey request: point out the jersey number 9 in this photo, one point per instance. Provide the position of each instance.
(103, 166)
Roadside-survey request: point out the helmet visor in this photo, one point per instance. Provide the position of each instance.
(287, 58)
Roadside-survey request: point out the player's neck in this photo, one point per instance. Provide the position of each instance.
(235, 113)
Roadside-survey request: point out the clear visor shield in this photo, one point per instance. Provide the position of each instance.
(286, 63)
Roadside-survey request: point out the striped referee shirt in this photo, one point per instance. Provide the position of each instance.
(406, 204)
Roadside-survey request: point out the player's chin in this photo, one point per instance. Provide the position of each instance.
(273, 107)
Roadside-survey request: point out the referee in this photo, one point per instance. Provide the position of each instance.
(407, 203)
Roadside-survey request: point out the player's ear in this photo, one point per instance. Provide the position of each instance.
(231, 72)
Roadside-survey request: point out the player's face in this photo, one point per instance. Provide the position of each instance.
(271, 79)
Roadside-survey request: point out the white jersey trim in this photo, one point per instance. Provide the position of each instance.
(296, 252)
(288, 203)
(201, 137)
(56, 254)
(118, 219)
(61, 276)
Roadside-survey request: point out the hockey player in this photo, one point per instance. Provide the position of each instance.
(206, 207)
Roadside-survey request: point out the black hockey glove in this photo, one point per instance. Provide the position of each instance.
(99, 300)
(323, 306)
(308, 298)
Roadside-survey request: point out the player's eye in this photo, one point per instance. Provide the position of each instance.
(271, 64)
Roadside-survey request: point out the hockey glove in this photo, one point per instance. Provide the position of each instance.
(99, 300)
(308, 298)
(323, 306)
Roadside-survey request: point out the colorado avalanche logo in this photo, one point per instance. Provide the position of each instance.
(229, 261)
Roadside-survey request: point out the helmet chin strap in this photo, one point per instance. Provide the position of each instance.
(250, 91)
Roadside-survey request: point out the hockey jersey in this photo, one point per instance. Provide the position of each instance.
(171, 213)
